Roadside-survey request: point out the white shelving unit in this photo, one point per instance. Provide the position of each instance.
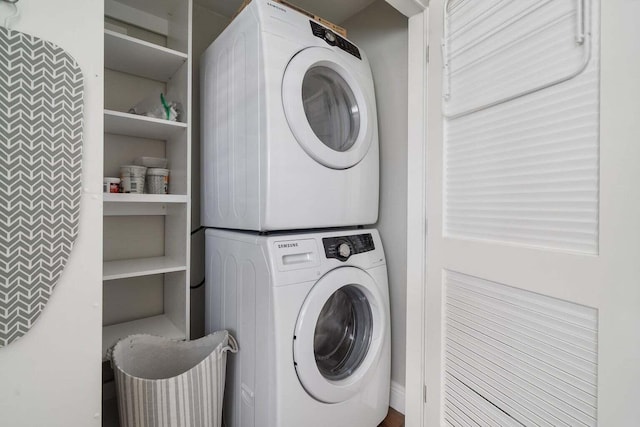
(145, 198)
(147, 236)
(122, 269)
(140, 58)
(118, 123)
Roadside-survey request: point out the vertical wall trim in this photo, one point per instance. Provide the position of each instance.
(416, 220)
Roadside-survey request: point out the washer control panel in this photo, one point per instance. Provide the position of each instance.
(334, 39)
(341, 248)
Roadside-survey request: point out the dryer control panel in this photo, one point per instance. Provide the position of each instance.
(334, 39)
(341, 248)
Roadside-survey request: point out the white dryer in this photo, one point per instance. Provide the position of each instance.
(289, 125)
(311, 315)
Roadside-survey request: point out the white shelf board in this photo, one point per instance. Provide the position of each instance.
(156, 325)
(122, 269)
(143, 198)
(118, 123)
(141, 58)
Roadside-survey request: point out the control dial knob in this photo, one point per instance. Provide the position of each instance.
(344, 250)
(329, 36)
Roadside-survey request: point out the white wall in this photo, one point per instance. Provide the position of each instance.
(381, 32)
(51, 376)
(206, 27)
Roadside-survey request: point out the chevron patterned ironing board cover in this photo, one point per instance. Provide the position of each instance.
(41, 104)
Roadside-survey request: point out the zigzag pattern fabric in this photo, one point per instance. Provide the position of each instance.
(41, 90)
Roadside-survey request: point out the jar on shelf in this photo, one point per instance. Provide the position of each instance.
(111, 185)
(157, 181)
(132, 178)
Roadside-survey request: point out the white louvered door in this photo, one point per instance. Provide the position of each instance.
(533, 208)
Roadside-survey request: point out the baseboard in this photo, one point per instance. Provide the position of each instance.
(396, 398)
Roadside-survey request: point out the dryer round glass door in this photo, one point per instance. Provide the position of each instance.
(339, 335)
(329, 106)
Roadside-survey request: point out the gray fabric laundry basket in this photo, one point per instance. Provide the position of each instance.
(165, 383)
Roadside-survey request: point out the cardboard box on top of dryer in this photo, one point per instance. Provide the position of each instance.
(319, 19)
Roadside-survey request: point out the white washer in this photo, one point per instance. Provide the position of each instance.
(289, 126)
(311, 315)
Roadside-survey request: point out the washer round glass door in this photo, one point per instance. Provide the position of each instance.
(339, 335)
(343, 333)
(328, 107)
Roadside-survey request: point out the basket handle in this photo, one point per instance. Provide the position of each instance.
(232, 346)
(109, 355)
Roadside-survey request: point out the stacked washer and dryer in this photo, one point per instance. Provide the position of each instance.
(290, 177)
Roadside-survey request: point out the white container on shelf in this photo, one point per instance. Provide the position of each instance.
(132, 178)
(157, 181)
(151, 162)
(110, 185)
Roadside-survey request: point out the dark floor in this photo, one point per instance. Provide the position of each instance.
(394, 419)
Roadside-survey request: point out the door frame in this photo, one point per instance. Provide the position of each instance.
(415, 390)
(418, 47)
